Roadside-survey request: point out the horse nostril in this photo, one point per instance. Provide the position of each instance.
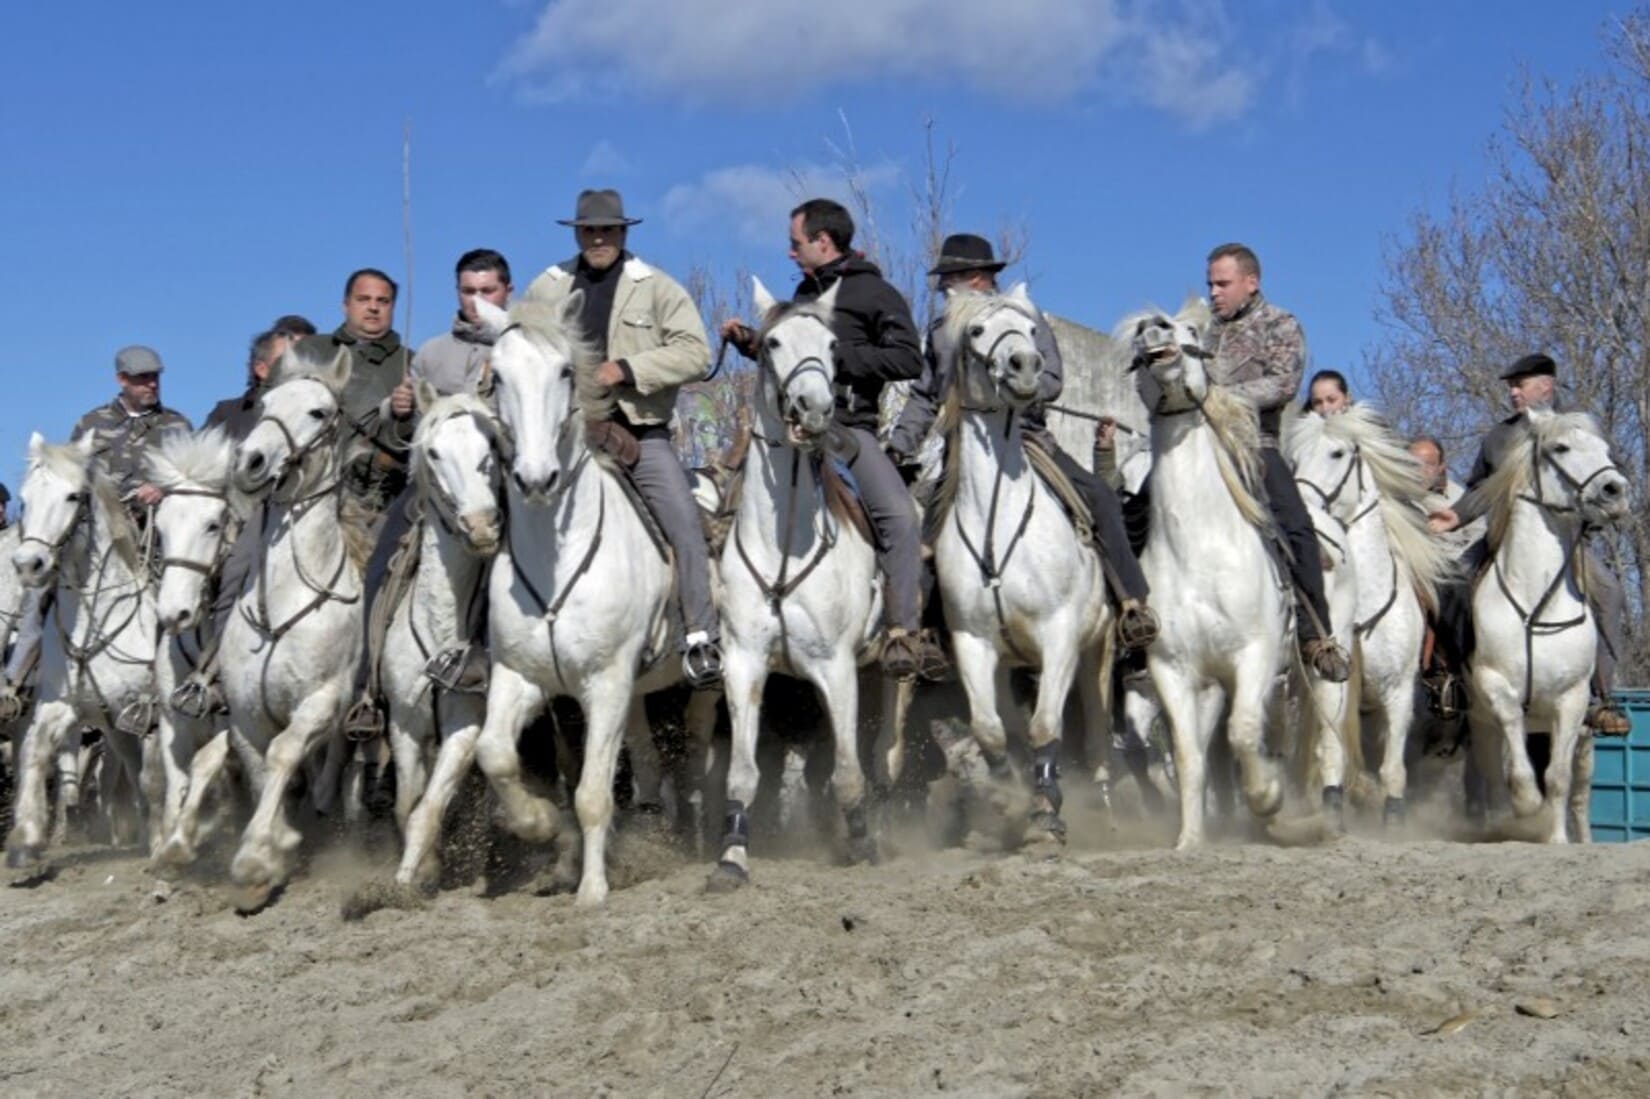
(521, 482)
(1611, 489)
(254, 461)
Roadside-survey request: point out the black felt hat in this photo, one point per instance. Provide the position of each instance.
(1528, 365)
(966, 252)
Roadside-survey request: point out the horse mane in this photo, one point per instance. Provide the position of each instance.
(542, 322)
(962, 307)
(445, 408)
(72, 464)
(204, 459)
(787, 310)
(1511, 479)
(1398, 484)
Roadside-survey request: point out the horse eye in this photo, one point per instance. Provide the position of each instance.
(831, 346)
(435, 455)
(1561, 448)
(212, 528)
(317, 414)
(566, 372)
(976, 330)
(1337, 454)
(773, 343)
(75, 497)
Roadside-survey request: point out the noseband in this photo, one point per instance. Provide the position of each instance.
(208, 569)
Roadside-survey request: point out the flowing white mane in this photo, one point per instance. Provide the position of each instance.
(204, 459)
(1516, 474)
(963, 307)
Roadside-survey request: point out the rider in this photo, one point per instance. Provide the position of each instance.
(1260, 353)
(967, 263)
(1327, 394)
(876, 344)
(1531, 384)
(238, 415)
(651, 340)
(122, 432)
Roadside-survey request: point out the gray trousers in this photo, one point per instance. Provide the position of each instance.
(25, 638)
(899, 531)
(665, 486)
(238, 566)
(1609, 608)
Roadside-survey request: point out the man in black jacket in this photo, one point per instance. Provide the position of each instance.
(877, 343)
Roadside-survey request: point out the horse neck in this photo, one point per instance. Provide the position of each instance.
(567, 524)
(991, 462)
(1536, 548)
(448, 579)
(1186, 478)
(1370, 548)
(780, 499)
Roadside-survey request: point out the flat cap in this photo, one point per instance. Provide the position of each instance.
(137, 359)
(1530, 364)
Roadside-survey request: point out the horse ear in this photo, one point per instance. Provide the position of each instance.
(761, 298)
(425, 395)
(827, 300)
(86, 445)
(1019, 294)
(337, 374)
(493, 319)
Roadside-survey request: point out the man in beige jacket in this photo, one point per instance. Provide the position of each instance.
(651, 340)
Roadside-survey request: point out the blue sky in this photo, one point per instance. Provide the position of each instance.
(178, 174)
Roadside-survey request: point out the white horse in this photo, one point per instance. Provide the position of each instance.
(1357, 469)
(1223, 603)
(291, 644)
(801, 591)
(98, 648)
(579, 593)
(197, 521)
(1019, 586)
(459, 478)
(1536, 638)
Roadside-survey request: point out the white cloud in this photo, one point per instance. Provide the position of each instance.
(605, 161)
(754, 201)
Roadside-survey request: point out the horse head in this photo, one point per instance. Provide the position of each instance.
(456, 466)
(797, 352)
(1327, 465)
(995, 341)
(57, 495)
(194, 521)
(1168, 357)
(1572, 468)
(543, 377)
(300, 418)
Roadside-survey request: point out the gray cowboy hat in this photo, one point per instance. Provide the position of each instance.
(966, 252)
(604, 207)
(1530, 364)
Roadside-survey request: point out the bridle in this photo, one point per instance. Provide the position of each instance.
(782, 384)
(82, 501)
(209, 568)
(971, 356)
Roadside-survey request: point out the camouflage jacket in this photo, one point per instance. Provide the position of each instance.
(123, 440)
(376, 474)
(1260, 354)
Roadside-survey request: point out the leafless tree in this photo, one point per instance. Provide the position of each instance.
(1552, 253)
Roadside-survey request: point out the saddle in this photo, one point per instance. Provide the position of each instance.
(842, 500)
(1071, 500)
(619, 450)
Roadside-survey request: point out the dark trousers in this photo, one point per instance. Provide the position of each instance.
(1123, 568)
(894, 516)
(1295, 524)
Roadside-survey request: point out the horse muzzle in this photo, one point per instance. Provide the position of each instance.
(1609, 499)
(35, 568)
(255, 472)
(482, 531)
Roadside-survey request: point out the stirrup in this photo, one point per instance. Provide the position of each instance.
(459, 670)
(1445, 696)
(702, 664)
(1325, 656)
(1137, 625)
(14, 702)
(899, 655)
(365, 721)
(137, 718)
(198, 698)
(1607, 719)
(932, 666)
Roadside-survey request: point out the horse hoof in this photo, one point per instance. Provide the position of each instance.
(249, 900)
(1393, 812)
(30, 865)
(23, 857)
(374, 896)
(863, 851)
(1334, 807)
(727, 877)
(1046, 827)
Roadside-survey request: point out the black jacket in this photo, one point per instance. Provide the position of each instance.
(237, 415)
(876, 338)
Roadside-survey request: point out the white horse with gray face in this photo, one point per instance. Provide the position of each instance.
(1532, 666)
(1223, 603)
(459, 478)
(1354, 467)
(291, 644)
(1019, 587)
(197, 521)
(579, 592)
(98, 647)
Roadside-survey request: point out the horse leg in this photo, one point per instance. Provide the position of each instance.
(511, 700)
(1520, 775)
(1569, 711)
(123, 799)
(176, 745)
(838, 686)
(178, 848)
(1094, 693)
(690, 768)
(647, 765)
(888, 750)
(1190, 731)
(1581, 790)
(1245, 726)
(1059, 665)
(26, 846)
(66, 815)
(744, 676)
(1326, 713)
(1392, 721)
(408, 734)
(420, 854)
(264, 860)
(607, 705)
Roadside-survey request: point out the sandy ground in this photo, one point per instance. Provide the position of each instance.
(1116, 967)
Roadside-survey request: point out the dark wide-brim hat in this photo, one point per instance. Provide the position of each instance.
(966, 252)
(605, 207)
(1528, 365)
